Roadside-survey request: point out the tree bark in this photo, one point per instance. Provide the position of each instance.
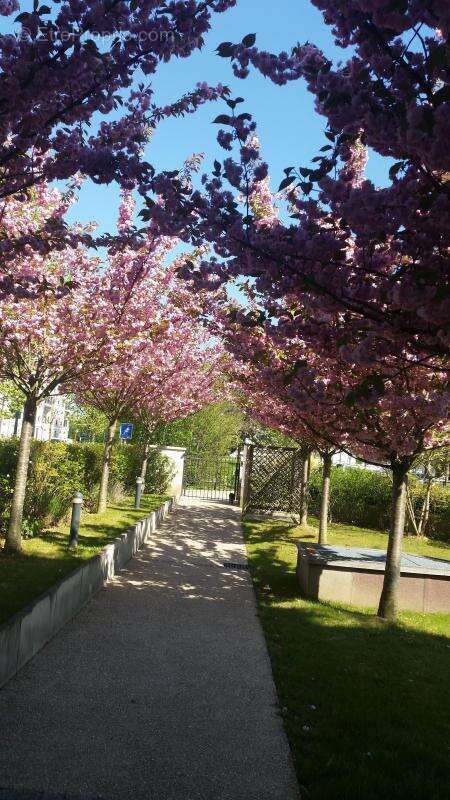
(425, 508)
(325, 499)
(13, 540)
(412, 516)
(103, 493)
(387, 608)
(144, 462)
(304, 487)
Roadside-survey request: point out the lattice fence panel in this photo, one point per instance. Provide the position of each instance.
(274, 479)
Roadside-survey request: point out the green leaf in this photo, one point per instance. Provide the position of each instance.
(395, 169)
(222, 119)
(249, 40)
(225, 50)
(286, 182)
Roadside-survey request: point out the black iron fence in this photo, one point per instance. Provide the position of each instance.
(211, 478)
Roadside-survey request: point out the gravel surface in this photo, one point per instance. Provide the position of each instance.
(160, 689)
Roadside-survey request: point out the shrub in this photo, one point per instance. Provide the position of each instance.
(58, 470)
(126, 467)
(160, 471)
(55, 474)
(438, 526)
(8, 459)
(363, 497)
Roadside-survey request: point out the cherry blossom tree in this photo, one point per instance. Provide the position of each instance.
(388, 418)
(392, 94)
(376, 256)
(171, 368)
(375, 361)
(66, 63)
(171, 375)
(356, 279)
(33, 227)
(69, 103)
(49, 339)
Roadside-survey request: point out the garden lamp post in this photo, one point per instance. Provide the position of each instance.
(75, 520)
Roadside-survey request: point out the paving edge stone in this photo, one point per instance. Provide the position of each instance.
(22, 636)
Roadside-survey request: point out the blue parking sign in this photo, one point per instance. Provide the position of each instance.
(126, 430)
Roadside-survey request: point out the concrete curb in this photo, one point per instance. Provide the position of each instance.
(22, 636)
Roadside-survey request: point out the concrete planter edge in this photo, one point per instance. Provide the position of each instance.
(29, 630)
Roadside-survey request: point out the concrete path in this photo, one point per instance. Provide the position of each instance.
(160, 689)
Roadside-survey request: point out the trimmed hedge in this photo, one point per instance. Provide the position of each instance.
(363, 497)
(58, 469)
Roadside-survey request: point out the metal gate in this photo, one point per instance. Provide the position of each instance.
(211, 478)
(272, 479)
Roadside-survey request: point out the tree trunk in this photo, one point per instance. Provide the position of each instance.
(325, 499)
(13, 540)
(144, 462)
(103, 493)
(387, 608)
(412, 516)
(425, 508)
(304, 487)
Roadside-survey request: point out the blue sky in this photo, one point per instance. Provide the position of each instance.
(289, 129)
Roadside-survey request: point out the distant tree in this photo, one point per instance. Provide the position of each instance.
(11, 399)
(431, 468)
(86, 423)
(215, 430)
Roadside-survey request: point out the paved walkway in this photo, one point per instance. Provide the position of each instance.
(161, 687)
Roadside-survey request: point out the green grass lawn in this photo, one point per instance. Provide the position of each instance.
(46, 558)
(365, 704)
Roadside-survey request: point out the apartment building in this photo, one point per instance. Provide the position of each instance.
(52, 422)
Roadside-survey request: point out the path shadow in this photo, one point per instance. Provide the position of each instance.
(186, 558)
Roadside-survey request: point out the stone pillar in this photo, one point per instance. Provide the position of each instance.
(246, 468)
(176, 458)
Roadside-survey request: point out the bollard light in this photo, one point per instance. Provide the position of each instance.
(138, 495)
(75, 520)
